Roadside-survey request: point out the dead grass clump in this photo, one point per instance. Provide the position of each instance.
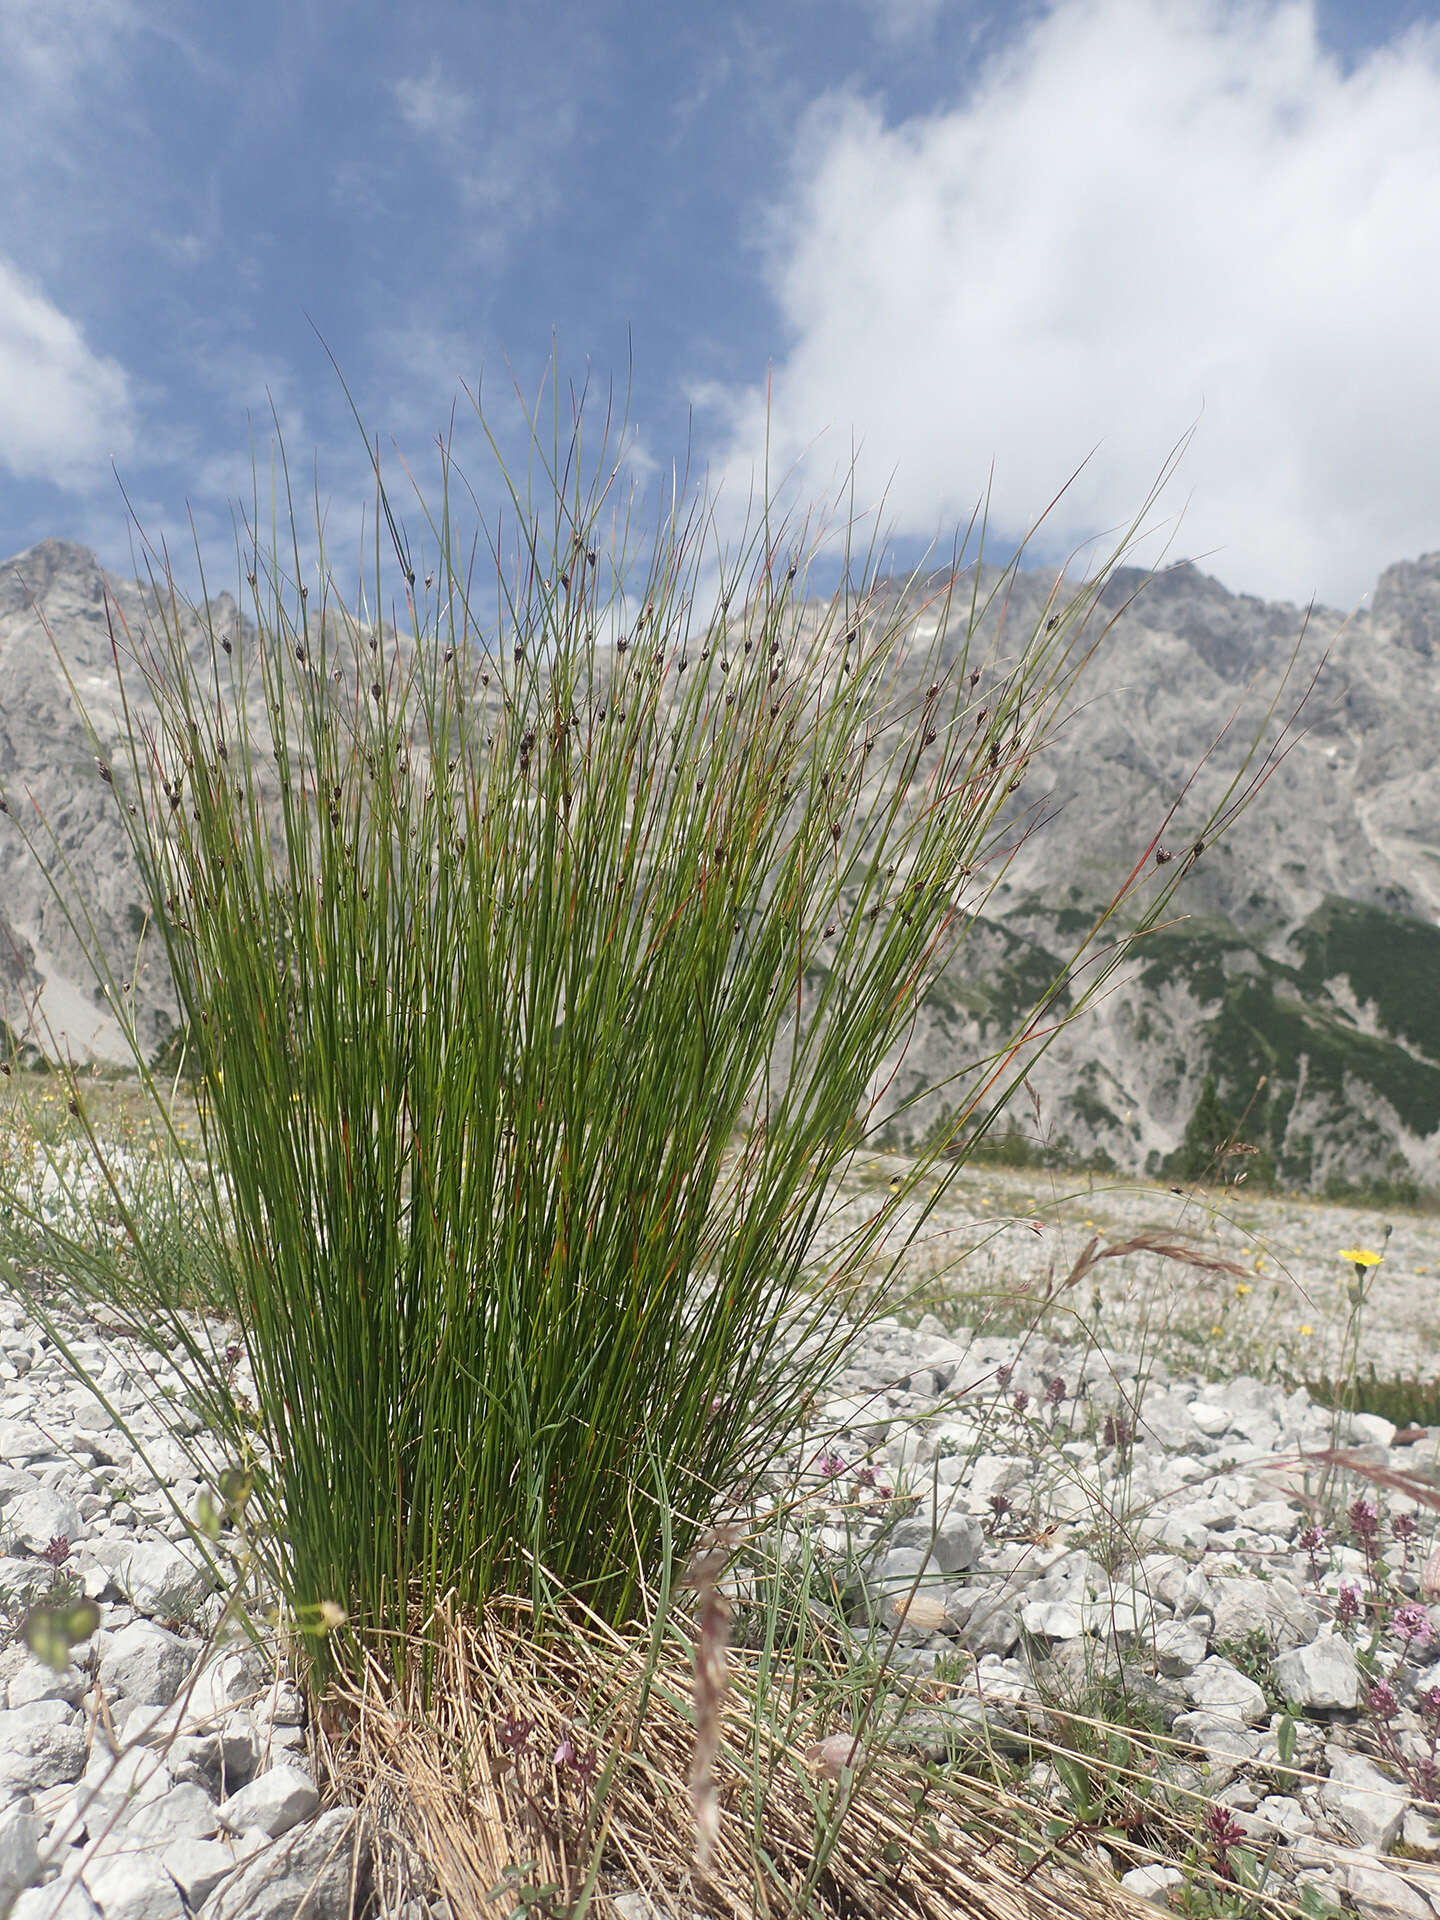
(548, 1779)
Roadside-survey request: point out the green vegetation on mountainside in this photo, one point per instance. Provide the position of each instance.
(1000, 991)
(1281, 1028)
(1391, 962)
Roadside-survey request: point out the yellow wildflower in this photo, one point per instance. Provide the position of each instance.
(1216, 1330)
(1361, 1257)
(1307, 1331)
(1241, 1289)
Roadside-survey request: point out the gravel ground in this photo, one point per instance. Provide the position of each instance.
(159, 1778)
(986, 1252)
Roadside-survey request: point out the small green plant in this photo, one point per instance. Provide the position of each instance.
(1404, 1402)
(1253, 1654)
(58, 1617)
(1225, 1878)
(1364, 1261)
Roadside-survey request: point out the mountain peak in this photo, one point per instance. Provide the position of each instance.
(32, 576)
(1407, 601)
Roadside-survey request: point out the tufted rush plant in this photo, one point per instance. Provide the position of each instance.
(545, 950)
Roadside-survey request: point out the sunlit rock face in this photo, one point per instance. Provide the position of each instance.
(1305, 951)
(1302, 976)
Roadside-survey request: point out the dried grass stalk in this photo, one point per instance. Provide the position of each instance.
(1159, 1242)
(712, 1681)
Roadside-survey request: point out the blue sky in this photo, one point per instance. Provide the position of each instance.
(980, 243)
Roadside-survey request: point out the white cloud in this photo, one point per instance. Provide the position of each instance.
(64, 410)
(504, 154)
(48, 48)
(498, 157)
(1143, 215)
(898, 21)
(432, 105)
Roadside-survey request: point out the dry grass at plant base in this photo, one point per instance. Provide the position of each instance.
(549, 1780)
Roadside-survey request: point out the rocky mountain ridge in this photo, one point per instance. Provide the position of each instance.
(1299, 974)
(1300, 979)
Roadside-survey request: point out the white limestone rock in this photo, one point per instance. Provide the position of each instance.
(35, 1753)
(39, 1517)
(1380, 1893)
(1368, 1802)
(1322, 1677)
(157, 1576)
(67, 1898)
(130, 1885)
(1242, 1605)
(21, 1833)
(184, 1812)
(36, 1680)
(319, 1860)
(146, 1662)
(1153, 1883)
(274, 1801)
(197, 1867)
(1225, 1692)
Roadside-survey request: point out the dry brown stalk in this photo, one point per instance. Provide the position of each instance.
(1160, 1242)
(1425, 1493)
(712, 1681)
